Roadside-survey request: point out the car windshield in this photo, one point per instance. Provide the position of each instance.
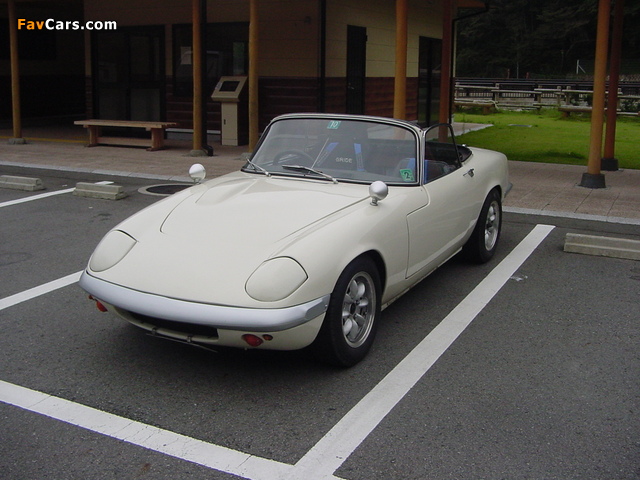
(337, 149)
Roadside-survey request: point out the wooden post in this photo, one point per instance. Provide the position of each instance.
(445, 78)
(253, 74)
(196, 64)
(593, 178)
(609, 162)
(400, 84)
(15, 76)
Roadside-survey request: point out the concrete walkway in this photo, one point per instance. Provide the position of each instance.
(538, 188)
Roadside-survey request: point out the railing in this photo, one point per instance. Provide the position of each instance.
(534, 95)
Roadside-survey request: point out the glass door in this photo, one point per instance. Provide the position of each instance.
(128, 66)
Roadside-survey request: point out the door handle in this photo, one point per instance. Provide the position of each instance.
(470, 173)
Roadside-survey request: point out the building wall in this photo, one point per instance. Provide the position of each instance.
(288, 28)
(289, 36)
(290, 46)
(378, 16)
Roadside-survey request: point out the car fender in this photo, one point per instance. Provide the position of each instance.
(380, 230)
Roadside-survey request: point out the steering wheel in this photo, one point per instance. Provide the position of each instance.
(282, 156)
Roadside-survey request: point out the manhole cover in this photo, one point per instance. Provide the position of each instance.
(165, 190)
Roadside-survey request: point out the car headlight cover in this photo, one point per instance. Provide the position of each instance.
(113, 248)
(275, 279)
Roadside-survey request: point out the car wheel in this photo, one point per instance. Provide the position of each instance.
(350, 325)
(484, 240)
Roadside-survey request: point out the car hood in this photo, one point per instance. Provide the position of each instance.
(245, 210)
(204, 245)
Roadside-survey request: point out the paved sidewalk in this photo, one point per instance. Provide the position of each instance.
(538, 188)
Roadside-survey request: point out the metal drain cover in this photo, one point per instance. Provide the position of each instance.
(165, 190)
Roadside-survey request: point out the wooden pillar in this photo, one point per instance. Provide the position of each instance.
(593, 178)
(609, 162)
(445, 78)
(15, 76)
(253, 74)
(400, 84)
(196, 63)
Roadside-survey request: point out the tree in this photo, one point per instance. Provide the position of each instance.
(544, 38)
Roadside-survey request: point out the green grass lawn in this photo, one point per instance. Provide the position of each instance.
(545, 136)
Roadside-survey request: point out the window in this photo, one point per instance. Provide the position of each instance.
(226, 54)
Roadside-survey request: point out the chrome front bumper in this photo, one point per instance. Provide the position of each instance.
(218, 316)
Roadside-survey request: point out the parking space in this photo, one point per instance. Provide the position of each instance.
(513, 369)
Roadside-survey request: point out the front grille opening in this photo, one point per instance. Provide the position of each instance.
(179, 327)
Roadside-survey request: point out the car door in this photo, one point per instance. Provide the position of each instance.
(438, 229)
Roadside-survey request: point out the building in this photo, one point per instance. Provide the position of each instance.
(312, 55)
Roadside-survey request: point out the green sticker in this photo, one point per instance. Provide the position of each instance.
(334, 125)
(407, 175)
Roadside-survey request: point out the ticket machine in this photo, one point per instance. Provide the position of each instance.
(231, 93)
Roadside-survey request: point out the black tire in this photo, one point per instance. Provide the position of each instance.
(350, 324)
(483, 242)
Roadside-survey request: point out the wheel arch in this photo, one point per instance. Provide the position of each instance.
(379, 262)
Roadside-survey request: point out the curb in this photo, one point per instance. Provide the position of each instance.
(27, 184)
(602, 246)
(96, 190)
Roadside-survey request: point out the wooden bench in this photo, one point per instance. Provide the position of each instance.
(487, 106)
(566, 110)
(95, 137)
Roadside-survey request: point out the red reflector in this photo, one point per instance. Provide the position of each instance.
(252, 340)
(100, 306)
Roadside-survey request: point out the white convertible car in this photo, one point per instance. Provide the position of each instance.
(331, 219)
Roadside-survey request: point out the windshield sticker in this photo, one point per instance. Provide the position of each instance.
(334, 125)
(407, 175)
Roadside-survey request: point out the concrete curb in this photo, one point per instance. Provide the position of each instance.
(27, 184)
(96, 190)
(602, 246)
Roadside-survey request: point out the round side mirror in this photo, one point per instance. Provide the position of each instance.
(197, 172)
(378, 191)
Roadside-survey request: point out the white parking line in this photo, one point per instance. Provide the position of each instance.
(39, 290)
(337, 445)
(163, 441)
(36, 197)
(45, 195)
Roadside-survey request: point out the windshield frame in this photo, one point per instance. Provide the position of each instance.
(368, 154)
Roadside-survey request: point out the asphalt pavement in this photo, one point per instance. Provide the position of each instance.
(542, 384)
